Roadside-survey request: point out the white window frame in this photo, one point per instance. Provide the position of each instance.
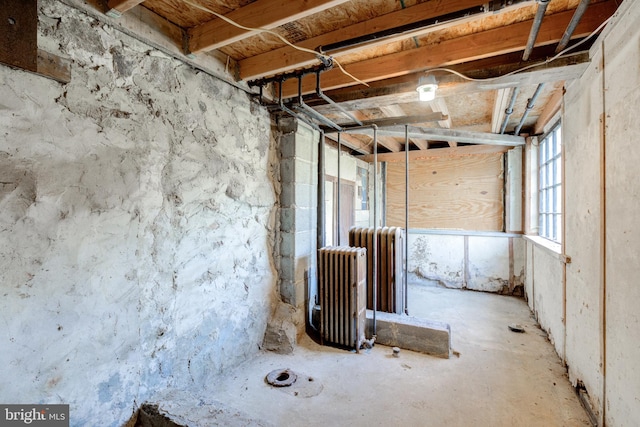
(550, 209)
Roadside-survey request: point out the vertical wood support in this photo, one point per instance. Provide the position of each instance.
(19, 34)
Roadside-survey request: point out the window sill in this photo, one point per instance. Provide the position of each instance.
(551, 247)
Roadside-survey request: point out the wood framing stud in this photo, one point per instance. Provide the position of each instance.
(19, 34)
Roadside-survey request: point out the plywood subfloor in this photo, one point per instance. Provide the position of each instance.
(501, 378)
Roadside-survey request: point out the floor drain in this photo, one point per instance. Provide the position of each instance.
(281, 378)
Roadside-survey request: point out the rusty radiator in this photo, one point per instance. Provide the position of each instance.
(342, 286)
(390, 294)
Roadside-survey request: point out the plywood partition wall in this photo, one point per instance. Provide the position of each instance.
(462, 193)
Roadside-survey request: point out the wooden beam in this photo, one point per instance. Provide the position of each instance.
(19, 34)
(352, 142)
(449, 135)
(439, 105)
(390, 143)
(118, 7)
(549, 111)
(467, 150)
(471, 47)
(503, 96)
(423, 145)
(402, 89)
(395, 121)
(261, 14)
(397, 111)
(54, 67)
(488, 68)
(285, 58)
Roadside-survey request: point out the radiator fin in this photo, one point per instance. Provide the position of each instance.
(390, 293)
(342, 287)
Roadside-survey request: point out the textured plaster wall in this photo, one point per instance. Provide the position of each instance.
(136, 235)
(478, 262)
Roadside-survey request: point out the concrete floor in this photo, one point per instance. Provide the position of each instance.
(500, 378)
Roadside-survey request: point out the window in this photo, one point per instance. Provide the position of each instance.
(550, 186)
(363, 178)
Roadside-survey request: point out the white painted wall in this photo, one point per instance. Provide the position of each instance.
(477, 261)
(438, 257)
(582, 130)
(622, 228)
(138, 211)
(348, 164)
(602, 194)
(544, 285)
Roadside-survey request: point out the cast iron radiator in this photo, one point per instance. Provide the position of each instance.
(342, 283)
(390, 294)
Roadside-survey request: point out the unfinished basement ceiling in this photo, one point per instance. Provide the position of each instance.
(479, 39)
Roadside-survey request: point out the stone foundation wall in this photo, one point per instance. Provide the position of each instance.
(137, 231)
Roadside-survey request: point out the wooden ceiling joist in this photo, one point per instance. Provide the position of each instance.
(353, 143)
(400, 120)
(357, 97)
(449, 135)
(548, 112)
(566, 67)
(390, 143)
(118, 7)
(468, 150)
(471, 47)
(286, 58)
(421, 144)
(503, 96)
(267, 14)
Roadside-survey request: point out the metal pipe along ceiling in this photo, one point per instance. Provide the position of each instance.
(489, 7)
(509, 111)
(535, 28)
(575, 20)
(530, 104)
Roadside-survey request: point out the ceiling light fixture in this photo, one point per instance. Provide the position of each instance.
(427, 87)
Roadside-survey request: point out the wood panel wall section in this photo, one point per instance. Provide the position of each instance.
(461, 193)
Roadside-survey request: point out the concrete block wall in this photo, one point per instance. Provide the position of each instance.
(298, 216)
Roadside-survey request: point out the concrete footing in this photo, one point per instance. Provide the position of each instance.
(411, 333)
